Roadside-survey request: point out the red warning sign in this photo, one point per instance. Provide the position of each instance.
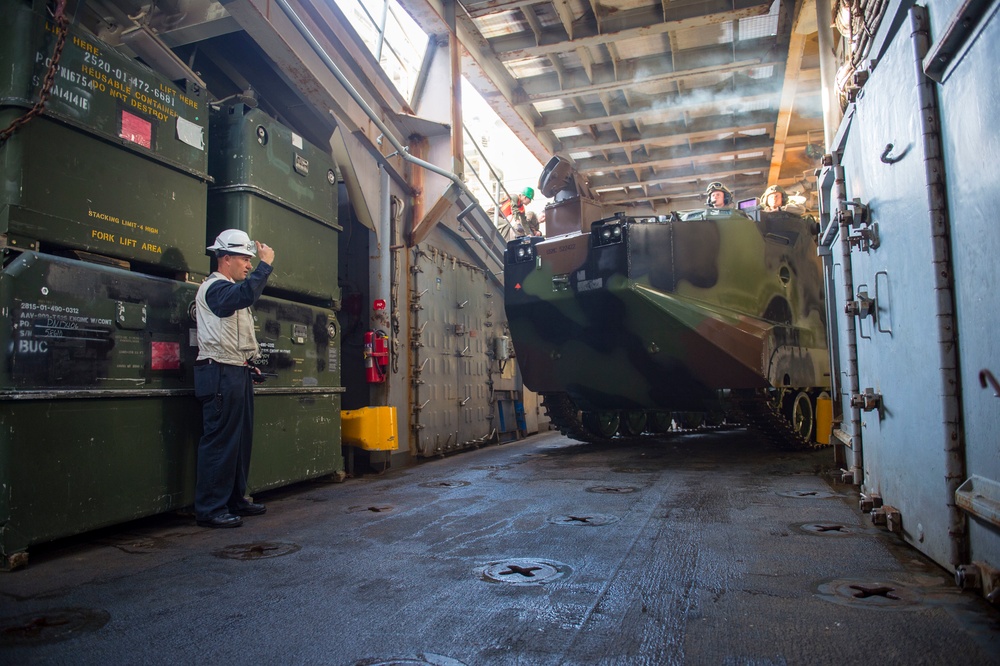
(166, 356)
(137, 130)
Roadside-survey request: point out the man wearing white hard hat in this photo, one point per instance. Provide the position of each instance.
(224, 379)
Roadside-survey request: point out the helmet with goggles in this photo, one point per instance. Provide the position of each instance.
(718, 187)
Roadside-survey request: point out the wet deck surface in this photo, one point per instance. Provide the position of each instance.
(697, 549)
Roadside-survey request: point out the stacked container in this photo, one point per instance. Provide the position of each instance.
(117, 164)
(103, 215)
(281, 190)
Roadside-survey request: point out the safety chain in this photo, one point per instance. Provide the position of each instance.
(62, 24)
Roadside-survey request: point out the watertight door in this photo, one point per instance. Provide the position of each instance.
(970, 107)
(904, 425)
(452, 329)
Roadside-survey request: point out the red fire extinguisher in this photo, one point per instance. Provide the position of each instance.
(376, 356)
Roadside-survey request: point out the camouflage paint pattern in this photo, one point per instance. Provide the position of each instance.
(672, 312)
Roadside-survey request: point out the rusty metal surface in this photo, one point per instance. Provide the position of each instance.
(707, 563)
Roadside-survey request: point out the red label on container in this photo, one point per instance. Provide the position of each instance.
(137, 130)
(379, 304)
(166, 356)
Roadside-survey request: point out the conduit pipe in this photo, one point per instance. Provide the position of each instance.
(383, 242)
(356, 96)
(930, 130)
(850, 333)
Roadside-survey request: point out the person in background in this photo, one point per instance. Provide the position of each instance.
(514, 210)
(718, 196)
(224, 379)
(775, 198)
(531, 224)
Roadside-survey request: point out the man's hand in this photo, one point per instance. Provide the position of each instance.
(256, 376)
(265, 253)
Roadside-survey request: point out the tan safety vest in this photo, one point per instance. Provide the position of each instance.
(228, 340)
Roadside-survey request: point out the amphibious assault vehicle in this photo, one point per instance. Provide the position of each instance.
(627, 324)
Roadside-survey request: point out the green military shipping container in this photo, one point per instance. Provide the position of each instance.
(98, 420)
(280, 189)
(117, 163)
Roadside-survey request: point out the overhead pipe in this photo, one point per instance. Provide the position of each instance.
(832, 113)
(954, 441)
(356, 96)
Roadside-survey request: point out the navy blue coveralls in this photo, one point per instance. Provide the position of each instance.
(226, 395)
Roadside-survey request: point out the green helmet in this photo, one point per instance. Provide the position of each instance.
(774, 189)
(529, 192)
(718, 187)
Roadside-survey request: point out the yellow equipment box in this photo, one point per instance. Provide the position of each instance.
(824, 419)
(370, 428)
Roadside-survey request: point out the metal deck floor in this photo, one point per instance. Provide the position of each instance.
(696, 549)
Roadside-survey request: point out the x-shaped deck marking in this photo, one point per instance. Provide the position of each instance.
(259, 550)
(830, 528)
(524, 571)
(582, 519)
(864, 592)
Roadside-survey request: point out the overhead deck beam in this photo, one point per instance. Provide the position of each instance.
(677, 155)
(685, 173)
(630, 24)
(753, 187)
(624, 81)
(669, 107)
(624, 74)
(496, 6)
(700, 171)
(676, 133)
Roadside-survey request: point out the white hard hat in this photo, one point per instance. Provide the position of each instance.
(234, 241)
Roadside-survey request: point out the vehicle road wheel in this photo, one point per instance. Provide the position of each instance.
(660, 421)
(603, 423)
(715, 418)
(689, 420)
(633, 423)
(803, 416)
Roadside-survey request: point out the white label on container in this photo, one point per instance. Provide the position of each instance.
(190, 133)
(296, 140)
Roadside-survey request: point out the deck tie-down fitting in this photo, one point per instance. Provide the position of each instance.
(524, 571)
(830, 528)
(864, 592)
